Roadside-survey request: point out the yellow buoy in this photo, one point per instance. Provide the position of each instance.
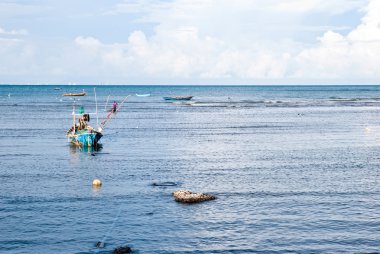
(96, 183)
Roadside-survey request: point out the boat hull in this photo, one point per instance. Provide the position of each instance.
(85, 139)
(74, 94)
(178, 98)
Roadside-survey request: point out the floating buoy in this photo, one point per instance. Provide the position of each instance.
(96, 183)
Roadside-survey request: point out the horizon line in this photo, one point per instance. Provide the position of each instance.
(19, 84)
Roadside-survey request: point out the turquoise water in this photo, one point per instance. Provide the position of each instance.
(296, 169)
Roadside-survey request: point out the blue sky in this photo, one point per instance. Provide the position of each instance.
(190, 42)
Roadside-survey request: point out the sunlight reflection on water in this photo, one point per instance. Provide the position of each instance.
(294, 171)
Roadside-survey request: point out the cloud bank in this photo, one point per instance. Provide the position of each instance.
(355, 55)
(202, 42)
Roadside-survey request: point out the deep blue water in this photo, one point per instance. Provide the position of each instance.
(296, 169)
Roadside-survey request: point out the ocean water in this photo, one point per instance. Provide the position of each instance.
(295, 169)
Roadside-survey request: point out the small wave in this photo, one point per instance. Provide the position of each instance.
(252, 101)
(227, 250)
(291, 194)
(354, 99)
(30, 199)
(330, 102)
(16, 155)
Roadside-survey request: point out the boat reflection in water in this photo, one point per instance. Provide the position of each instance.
(76, 150)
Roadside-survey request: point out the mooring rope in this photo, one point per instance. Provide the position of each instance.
(102, 243)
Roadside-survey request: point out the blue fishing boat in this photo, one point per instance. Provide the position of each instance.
(82, 134)
(178, 98)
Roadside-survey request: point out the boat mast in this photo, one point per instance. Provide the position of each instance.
(96, 105)
(73, 118)
(105, 108)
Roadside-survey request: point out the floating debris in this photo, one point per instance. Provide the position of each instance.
(165, 184)
(122, 250)
(186, 196)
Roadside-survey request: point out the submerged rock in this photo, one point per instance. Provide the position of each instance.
(122, 250)
(100, 244)
(186, 196)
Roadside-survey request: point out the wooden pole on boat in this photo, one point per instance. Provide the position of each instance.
(105, 108)
(73, 119)
(96, 105)
(105, 122)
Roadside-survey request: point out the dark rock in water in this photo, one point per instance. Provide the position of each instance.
(122, 250)
(164, 184)
(185, 196)
(100, 244)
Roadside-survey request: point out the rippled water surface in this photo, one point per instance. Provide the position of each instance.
(295, 170)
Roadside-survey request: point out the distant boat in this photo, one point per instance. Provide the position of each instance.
(178, 98)
(75, 94)
(143, 95)
(57, 88)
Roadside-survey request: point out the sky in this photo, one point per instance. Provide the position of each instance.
(193, 42)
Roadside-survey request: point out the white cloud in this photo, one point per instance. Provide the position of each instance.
(11, 49)
(242, 20)
(333, 7)
(13, 32)
(356, 55)
(178, 50)
(194, 41)
(155, 10)
(186, 54)
(89, 44)
(369, 29)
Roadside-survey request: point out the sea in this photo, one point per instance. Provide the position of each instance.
(295, 169)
